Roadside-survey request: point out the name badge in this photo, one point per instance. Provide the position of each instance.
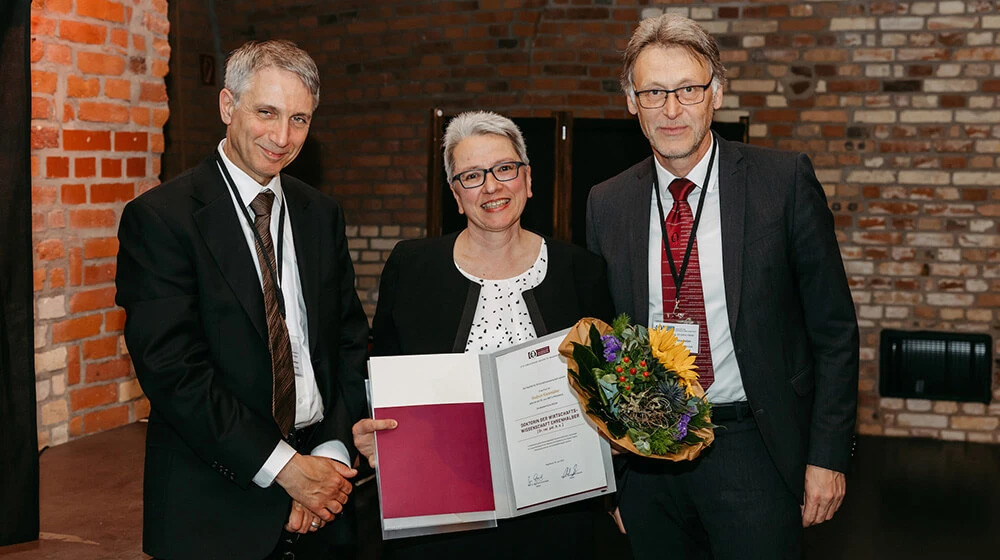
(296, 343)
(685, 332)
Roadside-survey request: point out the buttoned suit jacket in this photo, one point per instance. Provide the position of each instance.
(197, 335)
(790, 309)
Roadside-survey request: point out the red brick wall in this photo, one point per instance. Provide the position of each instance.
(896, 102)
(98, 107)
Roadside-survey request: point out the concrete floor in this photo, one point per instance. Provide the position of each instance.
(91, 499)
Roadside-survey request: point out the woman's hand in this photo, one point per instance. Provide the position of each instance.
(364, 436)
(616, 449)
(617, 516)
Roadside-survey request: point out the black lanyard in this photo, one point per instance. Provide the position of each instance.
(275, 275)
(679, 276)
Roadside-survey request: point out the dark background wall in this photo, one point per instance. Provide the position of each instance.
(896, 102)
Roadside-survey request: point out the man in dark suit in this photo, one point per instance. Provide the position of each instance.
(752, 280)
(246, 333)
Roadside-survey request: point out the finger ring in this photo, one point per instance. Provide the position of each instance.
(315, 524)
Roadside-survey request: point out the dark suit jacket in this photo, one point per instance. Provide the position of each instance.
(790, 309)
(426, 306)
(197, 336)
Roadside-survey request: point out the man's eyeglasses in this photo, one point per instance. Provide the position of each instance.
(686, 95)
(505, 171)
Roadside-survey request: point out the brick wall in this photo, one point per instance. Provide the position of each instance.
(896, 102)
(98, 107)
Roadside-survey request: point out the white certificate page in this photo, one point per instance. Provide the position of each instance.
(553, 451)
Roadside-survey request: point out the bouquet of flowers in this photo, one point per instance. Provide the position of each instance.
(640, 388)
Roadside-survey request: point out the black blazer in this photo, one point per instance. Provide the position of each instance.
(197, 335)
(426, 306)
(790, 308)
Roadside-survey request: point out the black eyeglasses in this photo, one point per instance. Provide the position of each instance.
(686, 95)
(505, 171)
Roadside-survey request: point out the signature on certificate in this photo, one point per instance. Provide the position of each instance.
(536, 479)
(571, 472)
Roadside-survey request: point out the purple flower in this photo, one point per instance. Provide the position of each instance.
(611, 347)
(682, 426)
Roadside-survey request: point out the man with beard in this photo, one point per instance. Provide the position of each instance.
(734, 247)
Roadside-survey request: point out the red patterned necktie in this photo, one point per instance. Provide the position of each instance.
(692, 300)
(282, 368)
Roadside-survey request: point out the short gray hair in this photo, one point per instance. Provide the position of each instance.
(254, 56)
(668, 31)
(479, 123)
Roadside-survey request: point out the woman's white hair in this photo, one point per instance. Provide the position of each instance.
(479, 123)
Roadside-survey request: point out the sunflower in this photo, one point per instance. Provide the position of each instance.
(673, 355)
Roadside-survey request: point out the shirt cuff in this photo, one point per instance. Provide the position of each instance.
(280, 457)
(333, 449)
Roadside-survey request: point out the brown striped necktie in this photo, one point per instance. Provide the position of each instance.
(282, 368)
(680, 221)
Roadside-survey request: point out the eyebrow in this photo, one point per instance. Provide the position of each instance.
(497, 162)
(656, 84)
(273, 109)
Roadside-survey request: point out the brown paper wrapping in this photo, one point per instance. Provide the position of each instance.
(580, 333)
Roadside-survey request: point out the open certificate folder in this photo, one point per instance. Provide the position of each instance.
(481, 438)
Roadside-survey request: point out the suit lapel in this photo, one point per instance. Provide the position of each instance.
(220, 228)
(637, 202)
(732, 209)
(305, 232)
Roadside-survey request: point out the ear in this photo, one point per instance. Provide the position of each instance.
(632, 107)
(227, 104)
(458, 201)
(527, 180)
(717, 98)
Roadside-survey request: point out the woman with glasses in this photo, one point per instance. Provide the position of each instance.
(485, 288)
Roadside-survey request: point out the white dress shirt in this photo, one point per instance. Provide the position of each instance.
(728, 385)
(308, 402)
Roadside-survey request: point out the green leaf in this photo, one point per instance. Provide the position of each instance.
(585, 361)
(620, 324)
(616, 427)
(596, 344)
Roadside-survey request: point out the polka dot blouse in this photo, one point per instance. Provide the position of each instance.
(502, 318)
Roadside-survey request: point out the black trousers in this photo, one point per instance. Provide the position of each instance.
(562, 533)
(730, 503)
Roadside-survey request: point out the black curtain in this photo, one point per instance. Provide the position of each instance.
(18, 437)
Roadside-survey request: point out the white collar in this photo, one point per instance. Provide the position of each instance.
(246, 186)
(699, 170)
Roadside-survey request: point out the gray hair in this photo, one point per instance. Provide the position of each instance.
(479, 123)
(667, 31)
(254, 56)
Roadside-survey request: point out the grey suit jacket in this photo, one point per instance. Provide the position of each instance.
(790, 308)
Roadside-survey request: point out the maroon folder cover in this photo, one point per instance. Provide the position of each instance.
(436, 461)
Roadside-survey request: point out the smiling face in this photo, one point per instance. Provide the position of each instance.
(267, 128)
(678, 133)
(496, 205)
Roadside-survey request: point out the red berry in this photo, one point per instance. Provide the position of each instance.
(628, 387)
(625, 359)
(631, 371)
(622, 379)
(618, 369)
(642, 363)
(645, 374)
